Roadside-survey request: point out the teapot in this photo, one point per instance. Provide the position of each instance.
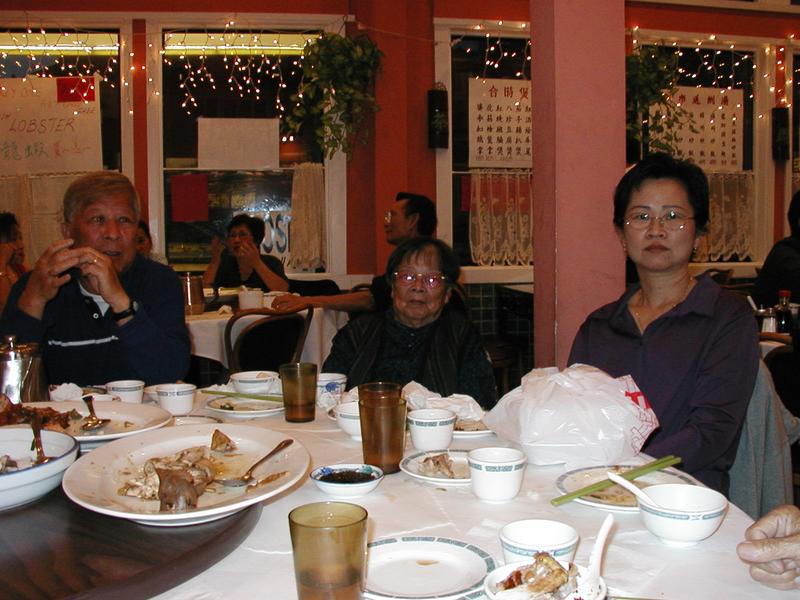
(193, 300)
(22, 377)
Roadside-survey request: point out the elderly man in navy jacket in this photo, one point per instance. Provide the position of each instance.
(99, 310)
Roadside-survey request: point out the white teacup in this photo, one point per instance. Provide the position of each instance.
(431, 428)
(127, 390)
(522, 539)
(330, 387)
(176, 398)
(496, 473)
(251, 299)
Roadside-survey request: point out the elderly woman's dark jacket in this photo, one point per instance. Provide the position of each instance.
(445, 356)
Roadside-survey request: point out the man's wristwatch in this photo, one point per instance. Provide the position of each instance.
(128, 312)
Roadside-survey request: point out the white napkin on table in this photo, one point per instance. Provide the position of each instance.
(225, 309)
(66, 391)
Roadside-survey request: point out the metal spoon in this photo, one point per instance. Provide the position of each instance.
(248, 475)
(590, 586)
(632, 488)
(92, 422)
(36, 426)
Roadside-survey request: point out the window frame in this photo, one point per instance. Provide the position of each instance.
(335, 168)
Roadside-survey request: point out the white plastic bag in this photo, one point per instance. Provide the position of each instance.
(581, 416)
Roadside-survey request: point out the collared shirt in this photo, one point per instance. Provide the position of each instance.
(696, 364)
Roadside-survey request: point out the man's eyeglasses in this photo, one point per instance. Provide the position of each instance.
(672, 220)
(407, 278)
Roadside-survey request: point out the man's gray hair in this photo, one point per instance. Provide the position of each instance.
(93, 187)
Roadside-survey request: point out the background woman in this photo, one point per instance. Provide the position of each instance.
(242, 264)
(691, 346)
(12, 255)
(417, 339)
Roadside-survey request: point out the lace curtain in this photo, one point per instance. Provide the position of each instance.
(501, 217)
(308, 241)
(730, 228)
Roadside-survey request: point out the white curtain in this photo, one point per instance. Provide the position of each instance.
(308, 241)
(730, 230)
(501, 217)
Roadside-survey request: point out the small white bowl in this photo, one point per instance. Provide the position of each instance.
(20, 487)
(500, 573)
(687, 513)
(496, 473)
(349, 419)
(347, 489)
(176, 398)
(522, 539)
(253, 382)
(128, 390)
(431, 428)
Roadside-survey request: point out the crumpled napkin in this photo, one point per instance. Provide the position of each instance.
(65, 391)
(225, 309)
(418, 396)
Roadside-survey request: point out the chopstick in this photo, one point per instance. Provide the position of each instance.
(656, 465)
(266, 397)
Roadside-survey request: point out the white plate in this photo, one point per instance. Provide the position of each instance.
(502, 572)
(624, 500)
(425, 568)
(126, 419)
(94, 479)
(194, 420)
(410, 465)
(243, 408)
(466, 435)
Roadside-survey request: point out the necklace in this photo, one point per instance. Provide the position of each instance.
(669, 306)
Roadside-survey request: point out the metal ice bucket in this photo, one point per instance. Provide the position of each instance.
(21, 372)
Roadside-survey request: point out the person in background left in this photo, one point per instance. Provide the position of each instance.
(12, 255)
(772, 548)
(144, 243)
(242, 264)
(99, 310)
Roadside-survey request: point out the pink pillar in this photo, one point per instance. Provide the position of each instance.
(578, 156)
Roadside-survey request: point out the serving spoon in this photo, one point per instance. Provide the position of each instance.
(632, 488)
(36, 426)
(92, 422)
(248, 475)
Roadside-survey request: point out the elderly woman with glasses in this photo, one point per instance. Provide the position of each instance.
(418, 338)
(691, 346)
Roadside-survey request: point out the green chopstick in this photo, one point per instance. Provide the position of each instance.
(266, 397)
(656, 465)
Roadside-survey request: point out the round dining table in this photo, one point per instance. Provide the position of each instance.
(636, 564)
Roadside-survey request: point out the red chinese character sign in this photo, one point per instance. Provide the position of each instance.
(718, 118)
(500, 123)
(50, 125)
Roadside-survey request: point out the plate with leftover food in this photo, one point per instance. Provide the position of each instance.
(423, 567)
(125, 419)
(542, 577)
(170, 477)
(448, 467)
(467, 429)
(615, 498)
(244, 408)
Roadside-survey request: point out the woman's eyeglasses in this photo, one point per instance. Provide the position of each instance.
(672, 220)
(407, 278)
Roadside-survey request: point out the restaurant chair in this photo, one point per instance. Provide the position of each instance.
(268, 342)
(761, 475)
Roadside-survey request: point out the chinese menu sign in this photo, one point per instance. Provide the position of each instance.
(500, 123)
(50, 125)
(718, 119)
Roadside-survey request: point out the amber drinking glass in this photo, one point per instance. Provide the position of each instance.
(299, 382)
(382, 411)
(329, 545)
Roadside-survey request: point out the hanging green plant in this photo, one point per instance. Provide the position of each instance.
(653, 117)
(336, 95)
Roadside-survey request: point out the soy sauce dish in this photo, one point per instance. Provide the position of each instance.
(347, 480)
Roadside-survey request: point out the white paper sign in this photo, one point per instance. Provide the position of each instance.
(718, 118)
(50, 125)
(237, 144)
(500, 123)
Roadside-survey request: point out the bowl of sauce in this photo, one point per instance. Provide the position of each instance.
(347, 480)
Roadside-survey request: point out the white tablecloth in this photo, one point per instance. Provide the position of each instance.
(208, 330)
(636, 563)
